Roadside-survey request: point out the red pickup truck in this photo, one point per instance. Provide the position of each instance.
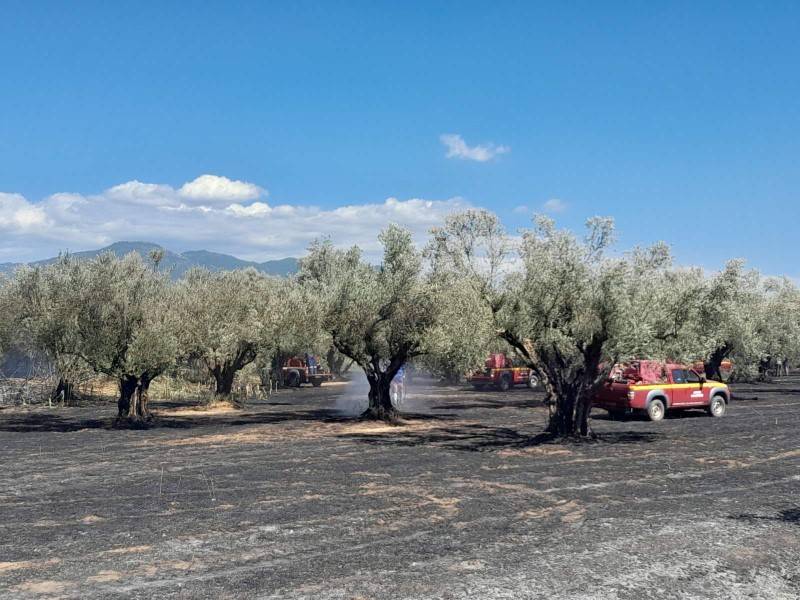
(655, 387)
(304, 369)
(501, 372)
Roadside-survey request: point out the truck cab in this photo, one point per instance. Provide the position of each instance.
(655, 387)
(502, 373)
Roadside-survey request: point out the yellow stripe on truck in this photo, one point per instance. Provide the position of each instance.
(675, 386)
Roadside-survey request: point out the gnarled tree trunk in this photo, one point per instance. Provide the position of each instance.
(224, 373)
(223, 377)
(134, 397)
(713, 366)
(143, 394)
(569, 385)
(64, 392)
(380, 397)
(127, 389)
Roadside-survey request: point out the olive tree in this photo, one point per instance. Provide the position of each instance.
(780, 335)
(378, 316)
(226, 319)
(565, 308)
(45, 311)
(300, 326)
(337, 362)
(664, 303)
(125, 327)
(731, 318)
(6, 315)
(463, 334)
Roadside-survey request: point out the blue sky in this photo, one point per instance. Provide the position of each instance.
(681, 120)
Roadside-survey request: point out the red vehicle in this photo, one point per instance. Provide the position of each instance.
(655, 387)
(304, 369)
(500, 372)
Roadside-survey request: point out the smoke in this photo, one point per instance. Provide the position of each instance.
(353, 401)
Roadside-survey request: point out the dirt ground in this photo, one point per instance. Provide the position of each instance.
(286, 499)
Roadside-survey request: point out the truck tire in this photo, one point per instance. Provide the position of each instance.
(656, 409)
(293, 379)
(533, 381)
(717, 407)
(316, 382)
(505, 382)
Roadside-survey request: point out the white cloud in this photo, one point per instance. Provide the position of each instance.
(146, 194)
(219, 190)
(17, 214)
(458, 148)
(554, 205)
(163, 214)
(521, 210)
(253, 210)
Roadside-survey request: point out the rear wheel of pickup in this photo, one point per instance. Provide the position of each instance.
(533, 381)
(717, 407)
(656, 409)
(505, 382)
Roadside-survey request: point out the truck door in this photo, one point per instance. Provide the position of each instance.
(679, 392)
(696, 393)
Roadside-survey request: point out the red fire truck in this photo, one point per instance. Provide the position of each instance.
(501, 372)
(654, 387)
(304, 369)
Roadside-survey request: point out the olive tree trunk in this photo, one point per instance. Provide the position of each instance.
(224, 373)
(380, 398)
(713, 366)
(64, 392)
(134, 397)
(570, 382)
(223, 378)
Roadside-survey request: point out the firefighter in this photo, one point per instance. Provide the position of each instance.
(311, 363)
(398, 387)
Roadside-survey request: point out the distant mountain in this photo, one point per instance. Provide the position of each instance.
(179, 263)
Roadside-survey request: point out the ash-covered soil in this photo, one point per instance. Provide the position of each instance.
(286, 499)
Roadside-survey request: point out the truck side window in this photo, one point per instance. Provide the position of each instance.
(692, 377)
(678, 376)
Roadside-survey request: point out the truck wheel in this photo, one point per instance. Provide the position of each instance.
(533, 381)
(505, 382)
(293, 379)
(316, 382)
(717, 407)
(656, 409)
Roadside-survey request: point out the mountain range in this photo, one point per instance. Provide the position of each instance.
(178, 262)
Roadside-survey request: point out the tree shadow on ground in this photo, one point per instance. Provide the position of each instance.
(475, 437)
(491, 403)
(54, 423)
(642, 417)
(765, 390)
(790, 515)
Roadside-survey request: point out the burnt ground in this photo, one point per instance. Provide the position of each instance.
(284, 499)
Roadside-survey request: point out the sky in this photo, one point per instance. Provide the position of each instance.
(253, 127)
